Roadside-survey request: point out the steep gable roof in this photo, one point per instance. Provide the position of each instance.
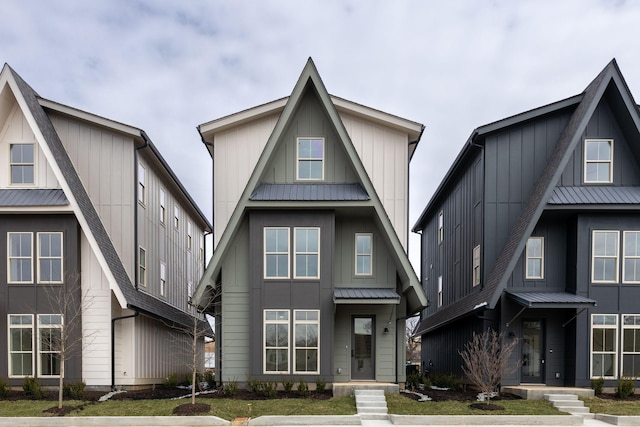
(489, 294)
(310, 80)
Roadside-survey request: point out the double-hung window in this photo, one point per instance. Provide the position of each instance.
(50, 257)
(189, 236)
(163, 278)
(310, 159)
(440, 227)
(598, 161)
(306, 329)
(631, 257)
(604, 345)
(276, 253)
(364, 254)
(476, 265)
(20, 248)
(440, 298)
(535, 258)
(22, 163)
(631, 345)
(604, 262)
(142, 266)
(163, 207)
(20, 345)
(142, 184)
(276, 342)
(307, 253)
(49, 344)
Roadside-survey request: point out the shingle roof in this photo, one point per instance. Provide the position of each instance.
(309, 192)
(594, 195)
(32, 197)
(365, 294)
(551, 299)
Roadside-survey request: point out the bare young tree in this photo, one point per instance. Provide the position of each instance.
(486, 358)
(412, 342)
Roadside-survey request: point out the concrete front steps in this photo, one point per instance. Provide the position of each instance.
(371, 404)
(569, 403)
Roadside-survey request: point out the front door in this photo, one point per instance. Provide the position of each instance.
(362, 345)
(533, 353)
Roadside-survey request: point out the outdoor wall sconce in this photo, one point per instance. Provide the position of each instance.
(386, 330)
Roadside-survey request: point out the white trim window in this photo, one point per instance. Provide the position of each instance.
(604, 345)
(535, 258)
(306, 261)
(440, 297)
(276, 253)
(163, 278)
(142, 266)
(631, 345)
(276, 342)
(604, 260)
(49, 344)
(20, 345)
(20, 249)
(189, 236)
(441, 227)
(50, 257)
(163, 207)
(598, 161)
(631, 257)
(476, 265)
(142, 184)
(364, 254)
(306, 330)
(22, 164)
(310, 159)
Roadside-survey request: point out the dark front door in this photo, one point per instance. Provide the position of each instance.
(362, 345)
(533, 353)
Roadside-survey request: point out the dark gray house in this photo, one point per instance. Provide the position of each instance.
(535, 232)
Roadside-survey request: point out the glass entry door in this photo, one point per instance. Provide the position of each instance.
(533, 353)
(362, 346)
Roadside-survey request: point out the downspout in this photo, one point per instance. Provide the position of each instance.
(113, 346)
(135, 206)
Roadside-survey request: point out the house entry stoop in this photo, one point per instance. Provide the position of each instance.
(371, 404)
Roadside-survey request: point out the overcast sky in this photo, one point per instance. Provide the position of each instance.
(168, 66)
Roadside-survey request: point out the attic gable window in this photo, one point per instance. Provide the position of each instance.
(364, 249)
(22, 163)
(535, 258)
(598, 161)
(310, 159)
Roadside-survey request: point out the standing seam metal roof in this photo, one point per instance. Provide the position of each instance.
(309, 192)
(595, 195)
(32, 197)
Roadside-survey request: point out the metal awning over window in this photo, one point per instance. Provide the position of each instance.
(365, 296)
(551, 300)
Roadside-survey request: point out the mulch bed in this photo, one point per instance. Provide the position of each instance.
(464, 396)
(612, 396)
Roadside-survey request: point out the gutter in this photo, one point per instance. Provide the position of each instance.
(113, 346)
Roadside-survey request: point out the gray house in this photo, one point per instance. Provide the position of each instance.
(535, 232)
(309, 278)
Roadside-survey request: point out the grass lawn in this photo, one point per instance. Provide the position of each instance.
(400, 405)
(612, 406)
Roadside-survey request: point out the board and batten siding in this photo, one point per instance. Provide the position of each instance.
(16, 130)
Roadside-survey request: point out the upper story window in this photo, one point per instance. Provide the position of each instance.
(441, 227)
(307, 253)
(310, 159)
(49, 257)
(598, 160)
(163, 278)
(476, 265)
(364, 254)
(535, 258)
(631, 257)
(20, 257)
(276, 253)
(142, 184)
(440, 297)
(189, 236)
(163, 207)
(22, 163)
(604, 262)
(176, 217)
(142, 266)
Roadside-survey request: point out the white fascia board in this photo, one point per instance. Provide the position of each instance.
(36, 209)
(217, 125)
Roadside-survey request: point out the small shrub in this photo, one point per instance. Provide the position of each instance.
(321, 385)
(171, 381)
(32, 388)
(254, 386)
(413, 379)
(287, 385)
(303, 388)
(596, 385)
(449, 381)
(626, 387)
(426, 381)
(210, 378)
(270, 388)
(4, 388)
(74, 390)
(231, 388)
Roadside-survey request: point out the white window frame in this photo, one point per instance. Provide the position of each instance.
(33, 165)
(634, 326)
(163, 207)
(265, 253)
(616, 257)
(591, 161)
(476, 265)
(20, 257)
(625, 257)
(364, 255)
(10, 352)
(440, 296)
(189, 236)
(297, 322)
(163, 278)
(309, 159)
(142, 266)
(306, 253)
(266, 322)
(40, 257)
(604, 326)
(440, 227)
(142, 184)
(41, 352)
(529, 256)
